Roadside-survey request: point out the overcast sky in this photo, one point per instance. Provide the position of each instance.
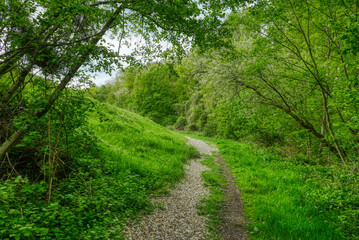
(113, 44)
(102, 77)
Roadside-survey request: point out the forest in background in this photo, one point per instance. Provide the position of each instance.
(289, 81)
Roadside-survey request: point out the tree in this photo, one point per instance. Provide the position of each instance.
(153, 94)
(59, 38)
(299, 65)
(295, 59)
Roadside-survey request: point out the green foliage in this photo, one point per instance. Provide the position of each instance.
(210, 129)
(181, 123)
(287, 200)
(155, 92)
(110, 180)
(61, 133)
(287, 83)
(81, 208)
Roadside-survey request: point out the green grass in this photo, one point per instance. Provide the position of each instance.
(283, 199)
(127, 159)
(213, 205)
(134, 143)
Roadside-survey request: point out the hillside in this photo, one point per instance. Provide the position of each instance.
(128, 158)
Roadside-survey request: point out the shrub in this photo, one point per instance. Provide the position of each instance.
(210, 129)
(181, 123)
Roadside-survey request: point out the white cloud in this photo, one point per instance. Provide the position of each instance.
(101, 78)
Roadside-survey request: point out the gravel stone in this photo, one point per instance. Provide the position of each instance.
(201, 146)
(178, 218)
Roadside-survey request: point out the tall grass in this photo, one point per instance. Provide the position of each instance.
(284, 199)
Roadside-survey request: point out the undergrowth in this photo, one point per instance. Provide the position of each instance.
(129, 159)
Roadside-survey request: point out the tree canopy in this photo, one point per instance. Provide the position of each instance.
(291, 73)
(60, 39)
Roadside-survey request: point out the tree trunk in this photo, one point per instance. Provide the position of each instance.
(323, 132)
(302, 121)
(9, 143)
(339, 150)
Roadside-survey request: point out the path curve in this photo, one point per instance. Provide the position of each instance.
(201, 146)
(178, 219)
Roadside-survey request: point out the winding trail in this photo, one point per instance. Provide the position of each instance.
(178, 218)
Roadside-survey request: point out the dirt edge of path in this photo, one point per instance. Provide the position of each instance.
(233, 226)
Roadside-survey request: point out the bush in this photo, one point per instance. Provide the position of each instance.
(83, 206)
(181, 123)
(210, 129)
(191, 127)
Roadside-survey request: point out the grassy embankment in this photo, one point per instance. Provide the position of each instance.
(131, 158)
(285, 199)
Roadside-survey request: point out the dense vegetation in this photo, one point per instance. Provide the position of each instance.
(280, 78)
(290, 79)
(289, 83)
(119, 160)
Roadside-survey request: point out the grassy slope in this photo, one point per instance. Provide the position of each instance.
(129, 159)
(134, 143)
(288, 200)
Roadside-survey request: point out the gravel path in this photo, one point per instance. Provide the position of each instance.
(201, 146)
(178, 219)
